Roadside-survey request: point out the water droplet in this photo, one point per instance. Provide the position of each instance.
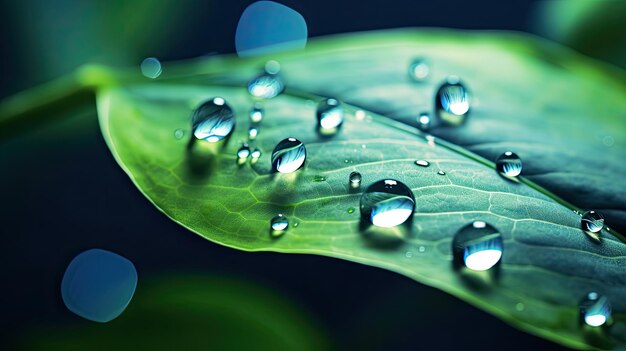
(387, 203)
(288, 156)
(359, 115)
(509, 164)
(296, 224)
(423, 121)
(243, 153)
(272, 67)
(441, 172)
(266, 86)
(329, 116)
(278, 225)
(319, 178)
(355, 179)
(408, 254)
(595, 309)
(363, 146)
(452, 102)
(253, 132)
(431, 140)
(477, 246)
(256, 113)
(267, 27)
(351, 210)
(592, 223)
(179, 134)
(520, 306)
(98, 285)
(419, 70)
(421, 249)
(422, 163)
(255, 154)
(213, 120)
(151, 67)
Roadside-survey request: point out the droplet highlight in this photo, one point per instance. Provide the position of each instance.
(355, 179)
(595, 310)
(213, 120)
(477, 246)
(243, 153)
(288, 156)
(329, 116)
(422, 163)
(423, 121)
(387, 203)
(98, 285)
(509, 164)
(452, 102)
(592, 223)
(278, 225)
(419, 70)
(266, 86)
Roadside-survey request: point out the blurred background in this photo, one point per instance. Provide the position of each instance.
(63, 192)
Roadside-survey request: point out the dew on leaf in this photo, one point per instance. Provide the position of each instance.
(355, 179)
(595, 310)
(422, 163)
(387, 203)
(278, 225)
(288, 156)
(477, 246)
(509, 164)
(213, 120)
(151, 67)
(452, 102)
(419, 69)
(329, 116)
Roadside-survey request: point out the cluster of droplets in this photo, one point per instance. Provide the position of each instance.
(386, 203)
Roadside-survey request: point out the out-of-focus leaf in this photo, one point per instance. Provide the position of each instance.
(192, 313)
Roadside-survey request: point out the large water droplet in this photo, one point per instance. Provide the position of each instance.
(419, 70)
(213, 120)
(278, 225)
(595, 309)
(477, 246)
(423, 121)
(268, 27)
(355, 180)
(509, 164)
(452, 102)
(329, 116)
(98, 285)
(387, 203)
(266, 86)
(256, 113)
(592, 223)
(151, 67)
(288, 156)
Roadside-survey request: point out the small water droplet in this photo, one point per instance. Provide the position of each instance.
(509, 164)
(355, 179)
(595, 309)
(430, 140)
(255, 154)
(213, 120)
(288, 156)
(520, 307)
(351, 210)
(422, 163)
(359, 115)
(423, 121)
(179, 134)
(592, 223)
(419, 70)
(256, 113)
(441, 172)
(243, 153)
(278, 225)
(266, 86)
(477, 246)
(408, 254)
(387, 203)
(421, 249)
(452, 102)
(329, 116)
(363, 146)
(296, 224)
(253, 132)
(319, 178)
(151, 67)
(272, 67)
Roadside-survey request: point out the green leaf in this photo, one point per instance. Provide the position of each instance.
(191, 313)
(548, 263)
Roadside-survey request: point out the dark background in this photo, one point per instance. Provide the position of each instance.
(63, 193)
